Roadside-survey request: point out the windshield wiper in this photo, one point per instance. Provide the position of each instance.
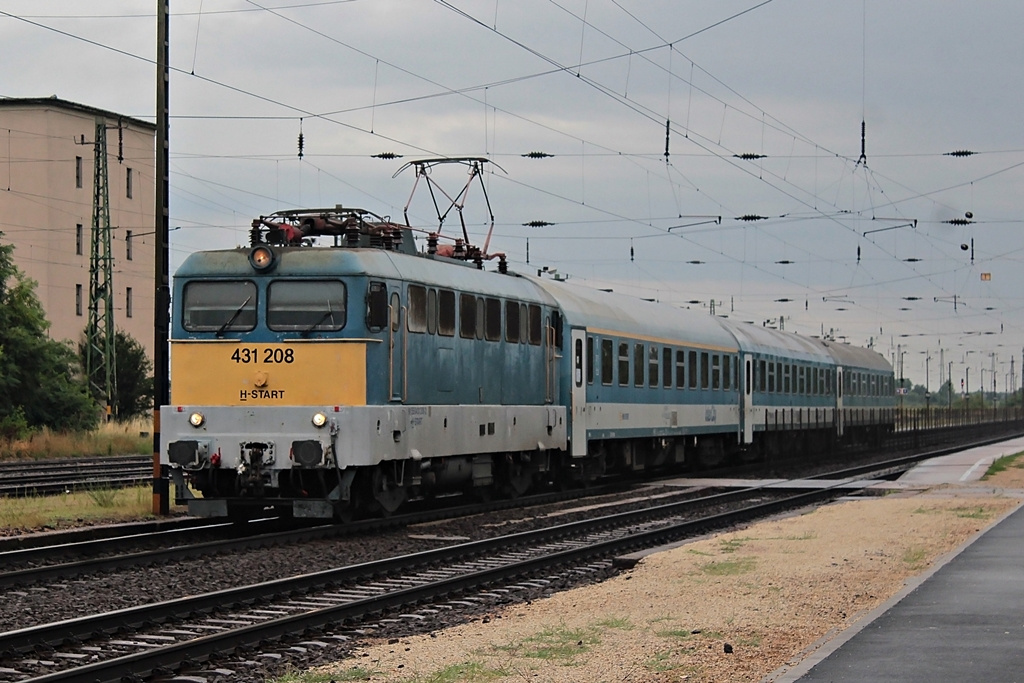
(329, 313)
(234, 316)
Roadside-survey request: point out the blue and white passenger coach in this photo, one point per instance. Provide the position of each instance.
(326, 380)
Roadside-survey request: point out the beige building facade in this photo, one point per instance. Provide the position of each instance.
(47, 162)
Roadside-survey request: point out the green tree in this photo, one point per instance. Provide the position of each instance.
(134, 378)
(40, 379)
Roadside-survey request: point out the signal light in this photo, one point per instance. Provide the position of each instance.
(262, 258)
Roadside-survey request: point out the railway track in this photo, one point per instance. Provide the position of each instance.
(217, 633)
(197, 628)
(49, 477)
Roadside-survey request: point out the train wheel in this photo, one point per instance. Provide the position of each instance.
(387, 494)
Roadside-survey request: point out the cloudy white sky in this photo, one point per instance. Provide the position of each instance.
(864, 251)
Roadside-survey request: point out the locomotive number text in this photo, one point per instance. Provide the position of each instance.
(251, 355)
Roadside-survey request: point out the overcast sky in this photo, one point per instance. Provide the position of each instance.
(809, 231)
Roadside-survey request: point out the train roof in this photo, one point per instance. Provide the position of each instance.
(436, 271)
(626, 316)
(767, 340)
(856, 356)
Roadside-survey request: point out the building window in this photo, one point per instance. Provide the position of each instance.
(78, 299)
(79, 239)
(128, 302)
(128, 183)
(78, 171)
(128, 244)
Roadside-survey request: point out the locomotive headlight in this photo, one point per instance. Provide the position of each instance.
(319, 420)
(196, 419)
(262, 258)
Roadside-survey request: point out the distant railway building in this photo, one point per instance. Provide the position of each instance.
(47, 153)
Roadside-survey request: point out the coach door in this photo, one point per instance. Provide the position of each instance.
(748, 399)
(579, 392)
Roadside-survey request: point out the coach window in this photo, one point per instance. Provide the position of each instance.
(762, 379)
(691, 368)
(666, 367)
(535, 325)
(446, 313)
(467, 316)
(726, 373)
(652, 366)
(417, 318)
(771, 378)
(801, 373)
(680, 369)
(716, 371)
(705, 370)
(219, 306)
(607, 361)
(512, 321)
(492, 320)
(638, 364)
(590, 359)
(306, 305)
(577, 363)
(623, 364)
(431, 311)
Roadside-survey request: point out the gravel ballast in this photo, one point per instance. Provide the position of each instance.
(739, 606)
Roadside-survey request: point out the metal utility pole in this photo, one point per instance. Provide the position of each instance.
(100, 363)
(162, 297)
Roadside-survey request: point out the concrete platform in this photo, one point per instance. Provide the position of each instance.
(962, 621)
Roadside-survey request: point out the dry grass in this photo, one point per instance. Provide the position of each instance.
(81, 508)
(110, 439)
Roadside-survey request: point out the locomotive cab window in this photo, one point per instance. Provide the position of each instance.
(306, 305)
(219, 306)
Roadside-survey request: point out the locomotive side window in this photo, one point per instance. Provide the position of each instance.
(623, 364)
(535, 325)
(219, 306)
(638, 364)
(377, 307)
(492, 320)
(395, 311)
(417, 318)
(666, 367)
(467, 316)
(431, 311)
(306, 305)
(524, 323)
(607, 361)
(512, 321)
(446, 313)
(480, 318)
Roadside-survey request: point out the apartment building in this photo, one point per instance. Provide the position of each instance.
(47, 162)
